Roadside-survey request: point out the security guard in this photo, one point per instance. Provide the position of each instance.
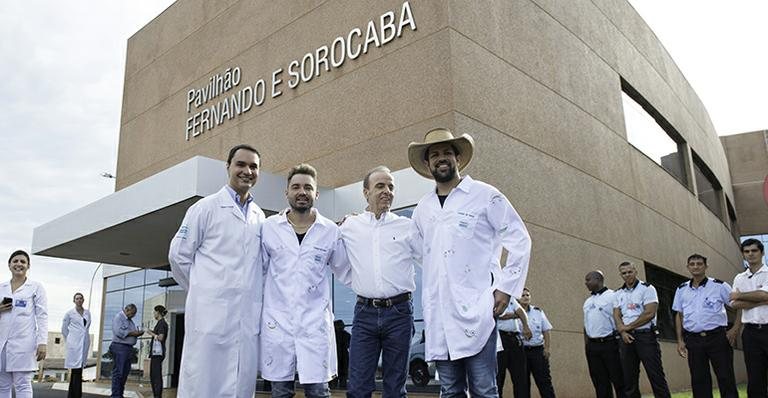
(537, 347)
(512, 358)
(601, 338)
(700, 323)
(635, 315)
(750, 294)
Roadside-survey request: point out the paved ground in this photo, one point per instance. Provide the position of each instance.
(43, 390)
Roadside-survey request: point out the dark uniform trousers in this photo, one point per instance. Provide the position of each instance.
(605, 366)
(755, 339)
(512, 359)
(644, 349)
(703, 349)
(538, 366)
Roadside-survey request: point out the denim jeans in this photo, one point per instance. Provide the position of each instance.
(286, 389)
(121, 366)
(479, 371)
(375, 331)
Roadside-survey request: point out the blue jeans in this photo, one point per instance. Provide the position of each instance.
(479, 370)
(121, 366)
(286, 389)
(380, 331)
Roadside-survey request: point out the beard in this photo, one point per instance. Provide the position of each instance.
(301, 208)
(446, 176)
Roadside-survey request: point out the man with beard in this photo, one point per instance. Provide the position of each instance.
(215, 256)
(464, 224)
(381, 253)
(300, 247)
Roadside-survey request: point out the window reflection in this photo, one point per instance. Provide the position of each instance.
(707, 187)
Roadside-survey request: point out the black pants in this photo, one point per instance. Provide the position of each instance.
(713, 348)
(605, 368)
(76, 384)
(156, 375)
(538, 366)
(756, 359)
(644, 349)
(512, 359)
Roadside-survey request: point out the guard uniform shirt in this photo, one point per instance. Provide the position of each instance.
(632, 301)
(510, 325)
(703, 307)
(749, 282)
(598, 314)
(538, 322)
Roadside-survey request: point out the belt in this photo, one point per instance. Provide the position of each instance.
(641, 331)
(756, 326)
(533, 347)
(506, 333)
(610, 337)
(705, 333)
(385, 302)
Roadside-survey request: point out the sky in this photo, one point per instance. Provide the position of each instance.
(60, 96)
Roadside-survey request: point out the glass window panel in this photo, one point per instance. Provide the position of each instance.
(113, 303)
(135, 278)
(155, 275)
(666, 283)
(153, 295)
(135, 296)
(106, 359)
(707, 189)
(645, 134)
(140, 362)
(115, 282)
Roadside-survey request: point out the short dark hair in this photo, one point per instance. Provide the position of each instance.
(78, 294)
(239, 147)
(752, 241)
(456, 151)
(302, 168)
(131, 307)
(525, 289)
(367, 179)
(161, 310)
(625, 263)
(19, 253)
(696, 256)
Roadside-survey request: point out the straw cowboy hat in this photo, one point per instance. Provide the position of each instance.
(417, 150)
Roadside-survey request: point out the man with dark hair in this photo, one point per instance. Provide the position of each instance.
(750, 295)
(382, 249)
(634, 312)
(463, 225)
(216, 257)
(602, 339)
(700, 324)
(300, 249)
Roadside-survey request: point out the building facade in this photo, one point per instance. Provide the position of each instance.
(579, 114)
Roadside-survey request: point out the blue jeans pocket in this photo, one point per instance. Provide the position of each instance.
(404, 308)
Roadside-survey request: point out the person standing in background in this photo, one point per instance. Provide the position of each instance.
(77, 344)
(537, 347)
(601, 338)
(157, 350)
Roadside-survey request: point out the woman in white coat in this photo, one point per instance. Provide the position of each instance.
(23, 328)
(75, 327)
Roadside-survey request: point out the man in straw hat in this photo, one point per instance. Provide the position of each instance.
(463, 223)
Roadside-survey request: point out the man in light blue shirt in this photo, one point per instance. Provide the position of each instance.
(124, 334)
(602, 339)
(512, 358)
(700, 323)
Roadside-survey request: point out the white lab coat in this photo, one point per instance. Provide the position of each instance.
(77, 340)
(462, 243)
(297, 323)
(216, 257)
(24, 327)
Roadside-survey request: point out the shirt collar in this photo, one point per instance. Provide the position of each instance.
(464, 185)
(702, 284)
(372, 216)
(236, 197)
(759, 270)
(637, 283)
(599, 292)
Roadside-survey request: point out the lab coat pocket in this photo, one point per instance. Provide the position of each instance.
(465, 223)
(213, 317)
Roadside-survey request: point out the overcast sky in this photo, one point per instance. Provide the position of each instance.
(62, 67)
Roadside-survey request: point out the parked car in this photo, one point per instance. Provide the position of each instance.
(419, 369)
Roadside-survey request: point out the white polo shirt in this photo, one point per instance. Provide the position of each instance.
(748, 282)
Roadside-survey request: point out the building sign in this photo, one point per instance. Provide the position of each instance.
(224, 98)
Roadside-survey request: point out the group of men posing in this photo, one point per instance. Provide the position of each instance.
(620, 329)
(258, 290)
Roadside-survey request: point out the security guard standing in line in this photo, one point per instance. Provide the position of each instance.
(512, 358)
(700, 323)
(537, 347)
(635, 314)
(601, 338)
